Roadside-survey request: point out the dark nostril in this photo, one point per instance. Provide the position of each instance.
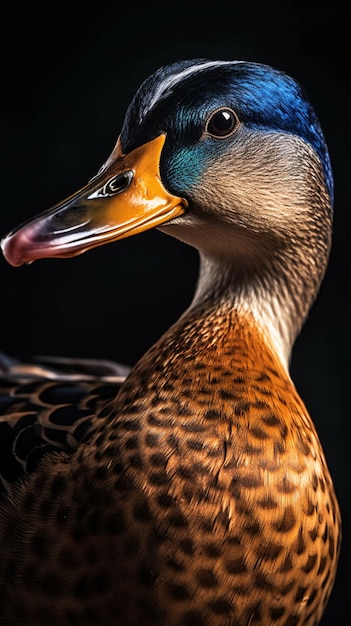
(114, 186)
(119, 183)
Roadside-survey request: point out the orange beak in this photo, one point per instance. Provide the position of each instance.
(125, 198)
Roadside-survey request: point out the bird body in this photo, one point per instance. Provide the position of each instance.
(198, 492)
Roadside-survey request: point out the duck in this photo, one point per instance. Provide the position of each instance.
(192, 489)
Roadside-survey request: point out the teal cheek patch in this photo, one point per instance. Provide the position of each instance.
(183, 169)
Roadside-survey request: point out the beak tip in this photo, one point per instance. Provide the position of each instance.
(15, 249)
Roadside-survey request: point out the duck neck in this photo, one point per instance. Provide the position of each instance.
(275, 298)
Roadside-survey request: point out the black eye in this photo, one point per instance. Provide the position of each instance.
(222, 123)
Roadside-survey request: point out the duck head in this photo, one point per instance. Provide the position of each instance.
(228, 157)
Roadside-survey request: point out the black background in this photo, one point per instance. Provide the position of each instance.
(68, 74)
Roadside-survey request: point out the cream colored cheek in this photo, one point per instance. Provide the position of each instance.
(266, 181)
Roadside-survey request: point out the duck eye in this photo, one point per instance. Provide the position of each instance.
(222, 123)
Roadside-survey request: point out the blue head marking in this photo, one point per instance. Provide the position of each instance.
(175, 99)
(271, 99)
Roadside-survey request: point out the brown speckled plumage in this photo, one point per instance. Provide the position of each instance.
(188, 513)
(196, 492)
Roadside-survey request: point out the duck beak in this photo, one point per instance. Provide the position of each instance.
(125, 198)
